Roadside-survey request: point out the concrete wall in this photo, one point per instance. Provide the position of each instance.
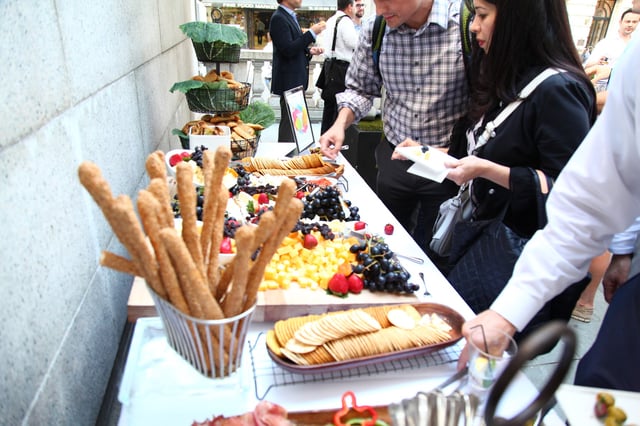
(80, 81)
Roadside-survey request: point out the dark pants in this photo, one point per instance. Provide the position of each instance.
(285, 129)
(329, 113)
(612, 360)
(413, 200)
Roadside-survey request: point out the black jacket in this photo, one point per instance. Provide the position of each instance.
(542, 134)
(291, 55)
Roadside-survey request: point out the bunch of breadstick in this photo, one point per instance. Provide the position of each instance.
(184, 269)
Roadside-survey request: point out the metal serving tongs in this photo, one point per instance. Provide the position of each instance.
(430, 408)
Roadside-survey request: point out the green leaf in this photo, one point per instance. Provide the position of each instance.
(200, 32)
(258, 112)
(185, 86)
(251, 208)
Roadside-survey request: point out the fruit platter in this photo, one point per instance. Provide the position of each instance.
(332, 259)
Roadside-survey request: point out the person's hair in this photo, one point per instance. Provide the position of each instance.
(343, 4)
(625, 12)
(527, 34)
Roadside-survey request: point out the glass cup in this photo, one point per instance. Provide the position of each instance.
(488, 358)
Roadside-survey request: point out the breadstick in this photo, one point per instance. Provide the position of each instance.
(119, 263)
(91, 178)
(124, 223)
(155, 165)
(160, 190)
(127, 227)
(187, 199)
(193, 285)
(266, 227)
(217, 232)
(233, 303)
(191, 280)
(286, 191)
(290, 218)
(149, 209)
(214, 173)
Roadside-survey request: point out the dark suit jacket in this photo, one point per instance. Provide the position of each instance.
(291, 55)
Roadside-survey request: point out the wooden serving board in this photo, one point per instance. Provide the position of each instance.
(324, 417)
(274, 305)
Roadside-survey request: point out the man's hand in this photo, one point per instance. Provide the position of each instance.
(331, 141)
(616, 275)
(490, 321)
(319, 27)
(316, 50)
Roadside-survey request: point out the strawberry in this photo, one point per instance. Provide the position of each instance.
(359, 226)
(388, 229)
(338, 285)
(225, 245)
(186, 156)
(263, 198)
(175, 159)
(300, 195)
(309, 242)
(355, 283)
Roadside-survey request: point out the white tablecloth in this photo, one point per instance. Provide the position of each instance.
(160, 388)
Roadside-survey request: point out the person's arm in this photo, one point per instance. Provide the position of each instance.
(285, 40)
(597, 54)
(622, 247)
(362, 84)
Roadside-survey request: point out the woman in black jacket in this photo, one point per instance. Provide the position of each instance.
(514, 43)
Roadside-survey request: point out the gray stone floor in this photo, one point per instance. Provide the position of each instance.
(539, 369)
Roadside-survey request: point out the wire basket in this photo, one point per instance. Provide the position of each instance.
(210, 101)
(243, 148)
(217, 51)
(213, 347)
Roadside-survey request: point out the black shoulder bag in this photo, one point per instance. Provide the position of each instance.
(334, 71)
(487, 252)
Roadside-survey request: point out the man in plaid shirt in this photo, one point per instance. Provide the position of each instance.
(422, 70)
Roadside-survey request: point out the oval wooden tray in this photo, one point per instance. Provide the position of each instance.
(453, 318)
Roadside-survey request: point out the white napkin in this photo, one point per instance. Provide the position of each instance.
(429, 166)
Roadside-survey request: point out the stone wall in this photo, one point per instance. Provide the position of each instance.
(81, 81)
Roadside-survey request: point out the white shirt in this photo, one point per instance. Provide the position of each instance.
(610, 47)
(625, 242)
(346, 39)
(596, 195)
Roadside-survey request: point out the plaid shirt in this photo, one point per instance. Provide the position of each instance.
(423, 75)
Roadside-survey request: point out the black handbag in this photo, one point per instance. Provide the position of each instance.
(485, 253)
(334, 71)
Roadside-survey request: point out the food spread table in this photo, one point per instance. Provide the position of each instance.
(158, 387)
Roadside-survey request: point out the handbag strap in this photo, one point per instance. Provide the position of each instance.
(490, 127)
(335, 33)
